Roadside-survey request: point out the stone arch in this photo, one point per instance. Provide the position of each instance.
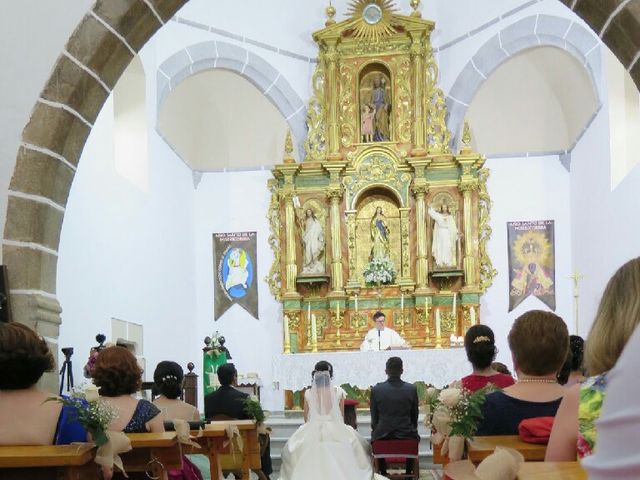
(95, 56)
(216, 54)
(527, 33)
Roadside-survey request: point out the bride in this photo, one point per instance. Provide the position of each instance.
(324, 447)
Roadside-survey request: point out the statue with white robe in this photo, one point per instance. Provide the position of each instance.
(445, 237)
(313, 245)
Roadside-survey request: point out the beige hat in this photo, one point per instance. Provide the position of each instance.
(502, 464)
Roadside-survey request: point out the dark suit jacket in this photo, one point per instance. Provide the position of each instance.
(394, 410)
(225, 401)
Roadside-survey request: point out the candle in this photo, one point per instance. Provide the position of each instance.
(356, 303)
(437, 322)
(314, 332)
(309, 311)
(402, 302)
(454, 306)
(338, 314)
(472, 315)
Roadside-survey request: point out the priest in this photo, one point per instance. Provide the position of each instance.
(382, 338)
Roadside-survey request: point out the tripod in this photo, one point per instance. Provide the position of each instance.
(66, 372)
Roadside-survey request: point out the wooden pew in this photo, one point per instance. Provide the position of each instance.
(551, 471)
(479, 448)
(153, 452)
(51, 462)
(213, 440)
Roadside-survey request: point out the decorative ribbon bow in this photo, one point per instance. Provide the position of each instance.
(108, 454)
(184, 434)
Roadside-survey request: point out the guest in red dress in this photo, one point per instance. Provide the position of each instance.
(479, 342)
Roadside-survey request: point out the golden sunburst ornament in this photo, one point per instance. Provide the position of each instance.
(372, 19)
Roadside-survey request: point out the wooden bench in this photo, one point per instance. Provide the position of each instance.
(214, 438)
(479, 448)
(551, 471)
(51, 462)
(153, 452)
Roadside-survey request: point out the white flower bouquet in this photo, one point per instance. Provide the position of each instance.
(379, 271)
(93, 413)
(453, 414)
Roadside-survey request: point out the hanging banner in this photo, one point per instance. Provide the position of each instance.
(532, 262)
(234, 256)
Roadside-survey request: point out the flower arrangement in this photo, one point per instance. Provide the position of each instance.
(454, 413)
(379, 271)
(253, 408)
(93, 413)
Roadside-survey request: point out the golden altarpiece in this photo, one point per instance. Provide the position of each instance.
(378, 182)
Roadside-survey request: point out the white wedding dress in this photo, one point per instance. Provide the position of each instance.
(325, 448)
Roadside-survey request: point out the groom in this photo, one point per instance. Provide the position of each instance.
(394, 409)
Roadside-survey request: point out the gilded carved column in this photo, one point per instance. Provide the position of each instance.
(469, 263)
(405, 265)
(422, 265)
(290, 254)
(331, 58)
(417, 61)
(335, 196)
(352, 281)
(288, 170)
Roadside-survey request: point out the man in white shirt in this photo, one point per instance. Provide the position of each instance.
(381, 338)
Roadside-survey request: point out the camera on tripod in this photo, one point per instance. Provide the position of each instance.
(66, 372)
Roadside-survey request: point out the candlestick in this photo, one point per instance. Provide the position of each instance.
(438, 339)
(314, 334)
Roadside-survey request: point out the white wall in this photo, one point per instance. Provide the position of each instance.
(128, 254)
(238, 202)
(534, 188)
(605, 231)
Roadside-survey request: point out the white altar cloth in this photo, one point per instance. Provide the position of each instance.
(438, 367)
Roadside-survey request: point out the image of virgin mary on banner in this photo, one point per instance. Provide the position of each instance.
(532, 263)
(234, 256)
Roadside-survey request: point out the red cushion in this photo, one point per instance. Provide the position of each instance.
(351, 402)
(535, 430)
(386, 447)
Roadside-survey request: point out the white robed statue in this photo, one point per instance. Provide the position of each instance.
(324, 448)
(445, 237)
(313, 244)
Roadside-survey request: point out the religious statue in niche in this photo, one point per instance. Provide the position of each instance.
(379, 236)
(313, 243)
(444, 245)
(375, 111)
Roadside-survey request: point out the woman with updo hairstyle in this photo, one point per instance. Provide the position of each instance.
(168, 379)
(25, 415)
(340, 394)
(480, 345)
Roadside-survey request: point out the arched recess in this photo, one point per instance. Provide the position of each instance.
(95, 56)
(529, 32)
(217, 54)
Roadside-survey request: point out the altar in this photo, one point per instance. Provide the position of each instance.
(381, 216)
(364, 369)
